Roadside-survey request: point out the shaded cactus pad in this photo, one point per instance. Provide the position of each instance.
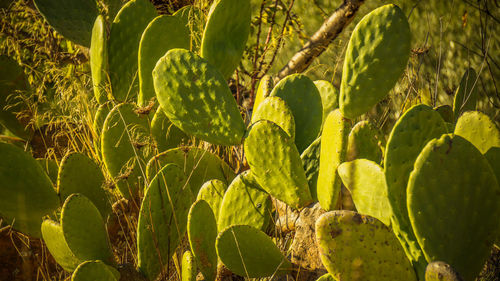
(466, 94)
(95, 270)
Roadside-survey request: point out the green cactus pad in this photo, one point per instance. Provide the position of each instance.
(365, 180)
(303, 98)
(329, 96)
(493, 157)
(453, 179)
(196, 98)
(479, 129)
(95, 270)
(226, 33)
(276, 110)
(189, 270)
(84, 230)
(264, 89)
(162, 220)
(364, 142)
(446, 113)
(310, 161)
(412, 131)
(73, 19)
(358, 247)
(54, 239)
(202, 232)
(333, 151)
(326, 277)
(165, 134)
(213, 192)
(99, 118)
(276, 164)
(27, 192)
(381, 40)
(199, 166)
(440, 271)
(245, 203)
(80, 174)
(99, 59)
(50, 167)
(125, 144)
(250, 253)
(194, 19)
(162, 34)
(123, 47)
(466, 94)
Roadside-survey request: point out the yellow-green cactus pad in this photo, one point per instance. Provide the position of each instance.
(197, 99)
(276, 110)
(303, 98)
(333, 151)
(72, 19)
(264, 89)
(380, 41)
(50, 167)
(226, 33)
(326, 277)
(162, 34)
(213, 192)
(357, 247)
(80, 174)
(95, 270)
(364, 142)
(365, 180)
(125, 144)
(123, 47)
(165, 134)
(202, 232)
(245, 203)
(479, 129)
(310, 162)
(189, 270)
(250, 253)
(466, 94)
(162, 220)
(441, 271)
(84, 231)
(198, 165)
(99, 59)
(99, 118)
(276, 164)
(329, 96)
(53, 237)
(453, 197)
(27, 192)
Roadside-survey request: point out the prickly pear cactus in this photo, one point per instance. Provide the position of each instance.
(451, 178)
(162, 220)
(310, 162)
(333, 150)
(466, 94)
(95, 270)
(53, 237)
(329, 96)
(236, 248)
(446, 113)
(99, 118)
(99, 59)
(264, 89)
(276, 164)
(162, 34)
(363, 84)
(213, 192)
(202, 232)
(215, 118)
(412, 131)
(277, 111)
(226, 33)
(365, 180)
(303, 98)
(358, 247)
(198, 165)
(245, 203)
(165, 134)
(123, 47)
(440, 271)
(73, 19)
(79, 174)
(84, 231)
(493, 157)
(194, 19)
(189, 270)
(326, 277)
(27, 192)
(479, 129)
(364, 142)
(50, 167)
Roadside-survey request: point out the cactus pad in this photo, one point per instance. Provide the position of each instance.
(276, 165)
(95, 270)
(364, 142)
(194, 19)
(213, 192)
(381, 40)
(249, 252)
(453, 179)
(165, 134)
(54, 239)
(358, 247)
(196, 98)
(189, 270)
(276, 110)
(479, 129)
(440, 271)
(50, 167)
(329, 96)
(99, 59)
(99, 118)
(466, 94)
(446, 113)
(263, 91)
(202, 232)
(310, 162)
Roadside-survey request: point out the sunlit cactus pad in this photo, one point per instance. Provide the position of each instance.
(95, 270)
(277, 111)
(53, 237)
(99, 59)
(479, 129)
